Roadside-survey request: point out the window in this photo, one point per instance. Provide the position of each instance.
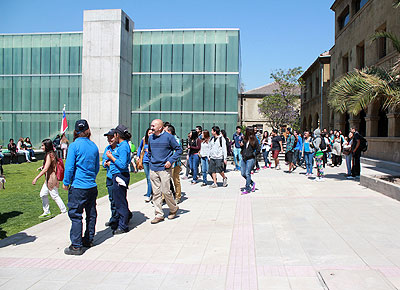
(345, 64)
(360, 55)
(126, 24)
(358, 4)
(344, 18)
(317, 84)
(310, 90)
(381, 43)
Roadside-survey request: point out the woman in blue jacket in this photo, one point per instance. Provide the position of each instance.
(81, 168)
(120, 158)
(144, 145)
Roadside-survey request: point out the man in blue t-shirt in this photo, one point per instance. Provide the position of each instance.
(237, 156)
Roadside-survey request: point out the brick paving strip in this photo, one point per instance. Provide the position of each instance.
(242, 270)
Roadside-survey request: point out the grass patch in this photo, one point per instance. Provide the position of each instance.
(20, 203)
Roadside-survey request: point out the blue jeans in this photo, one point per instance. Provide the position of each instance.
(265, 156)
(246, 167)
(308, 157)
(348, 163)
(194, 165)
(236, 153)
(79, 200)
(146, 167)
(204, 168)
(114, 215)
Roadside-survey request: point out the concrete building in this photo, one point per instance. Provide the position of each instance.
(111, 73)
(249, 113)
(355, 22)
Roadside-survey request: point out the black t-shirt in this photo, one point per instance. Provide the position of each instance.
(356, 137)
(275, 143)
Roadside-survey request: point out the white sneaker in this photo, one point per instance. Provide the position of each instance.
(225, 182)
(147, 198)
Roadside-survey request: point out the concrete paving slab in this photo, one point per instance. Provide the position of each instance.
(355, 280)
(278, 237)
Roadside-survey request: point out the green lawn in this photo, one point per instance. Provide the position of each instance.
(20, 203)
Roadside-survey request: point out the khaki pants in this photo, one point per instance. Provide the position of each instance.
(160, 183)
(177, 182)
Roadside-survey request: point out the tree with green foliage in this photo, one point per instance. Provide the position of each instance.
(355, 90)
(282, 107)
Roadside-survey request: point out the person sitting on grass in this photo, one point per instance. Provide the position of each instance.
(50, 186)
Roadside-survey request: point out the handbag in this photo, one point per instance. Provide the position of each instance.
(139, 163)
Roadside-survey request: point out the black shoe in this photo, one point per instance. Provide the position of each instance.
(130, 215)
(71, 250)
(110, 224)
(87, 243)
(119, 231)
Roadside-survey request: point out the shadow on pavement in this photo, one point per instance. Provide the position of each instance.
(137, 219)
(180, 212)
(17, 239)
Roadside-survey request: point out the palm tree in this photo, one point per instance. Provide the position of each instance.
(357, 89)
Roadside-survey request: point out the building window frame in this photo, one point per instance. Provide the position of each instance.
(344, 18)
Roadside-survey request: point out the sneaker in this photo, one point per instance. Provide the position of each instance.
(265, 167)
(147, 199)
(184, 177)
(193, 182)
(253, 188)
(269, 165)
(45, 215)
(350, 177)
(204, 184)
(71, 250)
(317, 178)
(214, 185)
(245, 192)
(172, 215)
(119, 231)
(225, 182)
(156, 220)
(278, 168)
(178, 201)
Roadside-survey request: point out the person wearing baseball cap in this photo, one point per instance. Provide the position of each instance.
(81, 168)
(113, 221)
(120, 159)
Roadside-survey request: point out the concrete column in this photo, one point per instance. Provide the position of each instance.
(106, 71)
(340, 126)
(372, 126)
(394, 124)
(355, 122)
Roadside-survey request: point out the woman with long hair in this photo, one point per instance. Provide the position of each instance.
(64, 146)
(120, 159)
(21, 149)
(265, 148)
(250, 148)
(50, 186)
(144, 147)
(204, 155)
(194, 146)
(28, 146)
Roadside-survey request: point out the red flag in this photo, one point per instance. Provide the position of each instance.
(64, 123)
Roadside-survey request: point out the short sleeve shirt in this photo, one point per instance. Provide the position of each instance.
(275, 143)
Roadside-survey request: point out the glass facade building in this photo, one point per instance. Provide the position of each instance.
(39, 73)
(188, 77)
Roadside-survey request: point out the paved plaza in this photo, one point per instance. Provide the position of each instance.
(292, 233)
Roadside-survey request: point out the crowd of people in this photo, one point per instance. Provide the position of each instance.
(159, 155)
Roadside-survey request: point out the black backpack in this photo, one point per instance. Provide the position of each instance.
(363, 144)
(322, 146)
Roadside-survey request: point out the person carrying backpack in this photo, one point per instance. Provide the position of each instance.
(50, 186)
(319, 145)
(359, 145)
(290, 146)
(217, 156)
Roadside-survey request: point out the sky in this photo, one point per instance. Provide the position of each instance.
(274, 34)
